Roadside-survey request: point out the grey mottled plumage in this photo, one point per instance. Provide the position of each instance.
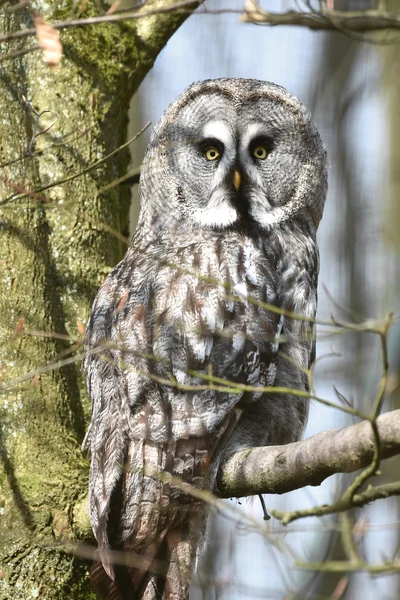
(232, 190)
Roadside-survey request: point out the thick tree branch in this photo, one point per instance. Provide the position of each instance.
(351, 21)
(151, 8)
(280, 469)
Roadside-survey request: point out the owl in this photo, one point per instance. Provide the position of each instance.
(195, 320)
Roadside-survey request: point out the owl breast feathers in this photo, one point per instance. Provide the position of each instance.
(188, 328)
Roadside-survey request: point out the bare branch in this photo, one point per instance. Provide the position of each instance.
(344, 566)
(351, 21)
(92, 167)
(332, 20)
(149, 9)
(280, 469)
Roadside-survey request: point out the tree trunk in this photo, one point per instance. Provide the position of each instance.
(56, 246)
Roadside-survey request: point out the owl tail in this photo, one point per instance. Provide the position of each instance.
(166, 578)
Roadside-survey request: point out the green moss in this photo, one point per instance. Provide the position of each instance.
(81, 521)
(58, 575)
(54, 256)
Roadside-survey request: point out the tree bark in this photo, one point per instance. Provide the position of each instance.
(54, 252)
(281, 469)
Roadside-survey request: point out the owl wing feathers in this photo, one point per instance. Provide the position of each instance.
(180, 327)
(281, 418)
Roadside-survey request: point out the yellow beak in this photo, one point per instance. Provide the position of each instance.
(236, 180)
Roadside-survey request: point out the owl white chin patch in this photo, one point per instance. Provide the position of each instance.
(267, 219)
(220, 217)
(217, 217)
(218, 213)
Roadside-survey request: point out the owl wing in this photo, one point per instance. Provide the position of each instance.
(117, 365)
(153, 339)
(106, 436)
(281, 418)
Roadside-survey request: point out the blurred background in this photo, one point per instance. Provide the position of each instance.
(351, 87)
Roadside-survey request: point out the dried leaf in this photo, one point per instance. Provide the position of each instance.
(80, 327)
(49, 41)
(19, 327)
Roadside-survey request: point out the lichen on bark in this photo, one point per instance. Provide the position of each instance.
(55, 251)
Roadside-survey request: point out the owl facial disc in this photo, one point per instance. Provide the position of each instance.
(234, 153)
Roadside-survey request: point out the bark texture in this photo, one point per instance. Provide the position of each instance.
(281, 469)
(54, 254)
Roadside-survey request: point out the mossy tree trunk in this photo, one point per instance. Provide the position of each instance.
(54, 252)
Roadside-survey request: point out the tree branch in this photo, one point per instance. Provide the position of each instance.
(351, 21)
(151, 8)
(281, 469)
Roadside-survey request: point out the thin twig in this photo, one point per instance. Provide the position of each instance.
(88, 169)
(348, 22)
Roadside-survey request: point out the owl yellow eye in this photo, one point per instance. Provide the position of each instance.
(260, 152)
(212, 153)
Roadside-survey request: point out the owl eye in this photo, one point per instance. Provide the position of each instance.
(260, 152)
(212, 153)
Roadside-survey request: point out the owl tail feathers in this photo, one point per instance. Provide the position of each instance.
(182, 550)
(178, 552)
(166, 575)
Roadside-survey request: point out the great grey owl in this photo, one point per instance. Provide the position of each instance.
(232, 190)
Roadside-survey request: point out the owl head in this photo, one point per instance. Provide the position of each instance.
(233, 153)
